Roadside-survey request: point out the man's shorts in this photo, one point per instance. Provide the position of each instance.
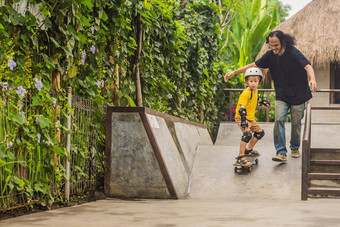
(252, 126)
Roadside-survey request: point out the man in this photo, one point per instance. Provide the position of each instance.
(289, 69)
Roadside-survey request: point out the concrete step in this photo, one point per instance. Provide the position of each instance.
(324, 192)
(325, 153)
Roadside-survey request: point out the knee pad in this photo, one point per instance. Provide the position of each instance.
(246, 137)
(259, 135)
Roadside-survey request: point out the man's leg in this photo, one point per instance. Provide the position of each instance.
(281, 109)
(296, 112)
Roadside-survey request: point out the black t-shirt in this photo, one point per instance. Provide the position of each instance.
(288, 73)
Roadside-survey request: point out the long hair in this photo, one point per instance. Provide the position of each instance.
(285, 39)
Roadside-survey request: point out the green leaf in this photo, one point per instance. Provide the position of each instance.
(49, 62)
(36, 101)
(44, 122)
(55, 42)
(18, 119)
(83, 20)
(87, 3)
(73, 71)
(104, 16)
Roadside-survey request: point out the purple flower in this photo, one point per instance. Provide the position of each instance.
(22, 114)
(9, 144)
(57, 125)
(100, 83)
(169, 96)
(4, 86)
(38, 84)
(93, 49)
(140, 5)
(54, 101)
(12, 64)
(21, 91)
(67, 55)
(37, 119)
(83, 57)
(39, 137)
(92, 30)
(117, 54)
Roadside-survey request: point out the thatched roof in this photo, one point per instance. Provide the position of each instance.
(316, 29)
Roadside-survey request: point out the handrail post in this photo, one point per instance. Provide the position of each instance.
(267, 110)
(306, 144)
(230, 105)
(68, 147)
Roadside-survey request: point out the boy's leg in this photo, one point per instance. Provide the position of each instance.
(254, 127)
(258, 134)
(242, 148)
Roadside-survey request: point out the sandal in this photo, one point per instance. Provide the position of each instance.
(242, 161)
(251, 152)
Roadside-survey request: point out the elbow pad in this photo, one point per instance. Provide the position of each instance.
(242, 112)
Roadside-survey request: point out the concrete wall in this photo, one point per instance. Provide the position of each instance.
(150, 154)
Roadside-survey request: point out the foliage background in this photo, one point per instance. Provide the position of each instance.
(91, 45)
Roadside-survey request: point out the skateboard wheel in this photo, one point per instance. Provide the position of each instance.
(249, 169)
(235, 169)
(256, 161)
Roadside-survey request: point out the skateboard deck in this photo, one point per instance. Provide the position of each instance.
(253, 160)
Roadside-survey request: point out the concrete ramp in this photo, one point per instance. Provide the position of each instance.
(150, 154)
(214, 177)
(213, 173)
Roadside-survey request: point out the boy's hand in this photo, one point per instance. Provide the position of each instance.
(264, 102)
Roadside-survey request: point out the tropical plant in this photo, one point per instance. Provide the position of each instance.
(249, 29)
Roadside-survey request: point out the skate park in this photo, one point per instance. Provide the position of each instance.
(204, 189)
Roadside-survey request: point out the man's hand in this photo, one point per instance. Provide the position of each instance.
(228, 76)
(313, 85)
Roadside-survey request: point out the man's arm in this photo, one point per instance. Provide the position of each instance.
(311, 75)
(238, 71)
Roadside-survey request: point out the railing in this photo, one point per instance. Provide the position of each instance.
(268, 91)
(306, 144)
(82, 161)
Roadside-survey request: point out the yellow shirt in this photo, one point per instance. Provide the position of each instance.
(250, 104)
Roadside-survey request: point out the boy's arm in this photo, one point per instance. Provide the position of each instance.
(263, 102)
(243, 112)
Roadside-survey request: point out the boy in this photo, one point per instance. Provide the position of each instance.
(245, 116)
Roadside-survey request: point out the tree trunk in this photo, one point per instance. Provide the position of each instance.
(136, 64)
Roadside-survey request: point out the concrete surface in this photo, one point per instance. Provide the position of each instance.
(188, 213)
(214, 177)
(268, 196)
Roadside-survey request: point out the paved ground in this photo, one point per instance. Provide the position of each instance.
(269, 195)
(191, 212)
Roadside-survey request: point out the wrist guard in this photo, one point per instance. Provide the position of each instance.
(264, 102)
(243, 113)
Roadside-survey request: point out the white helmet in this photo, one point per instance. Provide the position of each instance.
(253, 71)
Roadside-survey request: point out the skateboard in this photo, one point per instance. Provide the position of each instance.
(252, 159)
